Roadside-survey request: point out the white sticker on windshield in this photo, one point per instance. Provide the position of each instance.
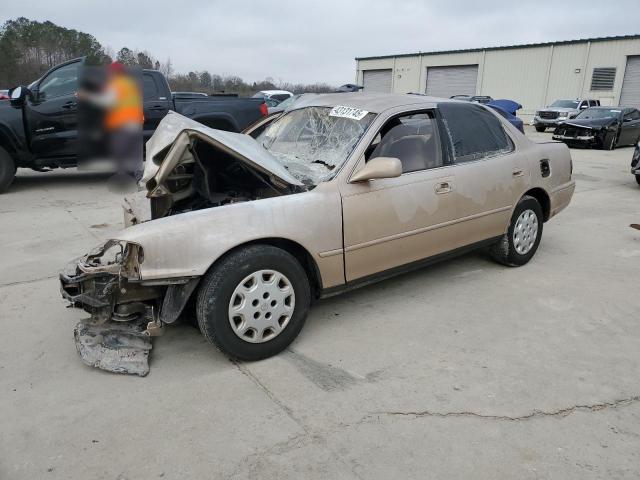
(348, 112)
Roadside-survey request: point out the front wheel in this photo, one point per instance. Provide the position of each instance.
(521, 241)
(7, 170)
(253, 303)
(609, 142)
(540, 128)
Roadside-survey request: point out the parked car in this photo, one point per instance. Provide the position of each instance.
(278, 95)
(284, 105)
(508, 109)
(39, 126)
(473, 98)
(341, 190)
(272, 103)
(349, 87)
(601, 127)
(559, 111)
(635, 163)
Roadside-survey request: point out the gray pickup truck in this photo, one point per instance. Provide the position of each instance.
(561, 110)
(39, 124)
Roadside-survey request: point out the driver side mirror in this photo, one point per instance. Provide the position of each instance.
(582, 107)
(379, 167)
(18, 94)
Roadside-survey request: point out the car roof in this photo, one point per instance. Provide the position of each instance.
(372, 102)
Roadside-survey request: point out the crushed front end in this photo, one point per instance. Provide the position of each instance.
(125, 311)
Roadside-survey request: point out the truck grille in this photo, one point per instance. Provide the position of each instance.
(549, 115)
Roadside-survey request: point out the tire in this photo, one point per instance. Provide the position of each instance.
(224, 284)
(540, 128)
(505, 251)
(609, 142)
(638, 178)
(7, 170)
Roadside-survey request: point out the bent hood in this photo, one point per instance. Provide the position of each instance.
(175, 133)
(591, 122)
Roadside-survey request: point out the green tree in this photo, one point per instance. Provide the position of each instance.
(126, 56)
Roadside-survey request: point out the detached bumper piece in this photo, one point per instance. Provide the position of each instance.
(114, 346)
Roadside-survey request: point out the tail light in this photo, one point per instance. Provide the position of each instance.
(263, 109)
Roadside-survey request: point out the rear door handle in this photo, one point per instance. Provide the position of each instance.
(443, 187)
(70, 105)
(158, 107)
(518, 173)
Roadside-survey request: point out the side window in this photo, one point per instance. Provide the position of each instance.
(149, 87)
(62, 81)
(583, 104)
(633, 115)
(280, 97)
(592, 103)
(474, 131)
(411, 138)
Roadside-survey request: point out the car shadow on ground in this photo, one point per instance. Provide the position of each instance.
(29, 180)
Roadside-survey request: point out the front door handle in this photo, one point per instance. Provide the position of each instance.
(443, 187)
(518, 173)
(70, 105)
(158, 107)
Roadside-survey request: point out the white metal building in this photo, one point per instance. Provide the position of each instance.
(534, 75)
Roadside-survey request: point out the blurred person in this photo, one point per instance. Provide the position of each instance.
(123, 118)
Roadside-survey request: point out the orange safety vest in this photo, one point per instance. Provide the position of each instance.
(128, 106)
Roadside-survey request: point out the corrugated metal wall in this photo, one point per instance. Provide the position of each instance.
(533, 76)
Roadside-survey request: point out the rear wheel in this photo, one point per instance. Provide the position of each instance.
(540, 128)
(7, 170)
(253, 303)
(521, 241)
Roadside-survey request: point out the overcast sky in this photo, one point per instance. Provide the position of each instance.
(317, 41)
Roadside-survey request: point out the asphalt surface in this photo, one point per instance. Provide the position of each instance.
(464, 370)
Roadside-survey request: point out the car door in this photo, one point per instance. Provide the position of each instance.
(393, 222)
(52, 112)
(630, 128)
(155, 103)
(490, 173)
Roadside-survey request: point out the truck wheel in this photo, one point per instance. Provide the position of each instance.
(7, 170)
(521, 241)
(540, 128)
(253, 302)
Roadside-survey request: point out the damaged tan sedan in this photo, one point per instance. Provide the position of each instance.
(247, 230)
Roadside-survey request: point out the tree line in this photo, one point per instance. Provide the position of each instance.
(28, 48)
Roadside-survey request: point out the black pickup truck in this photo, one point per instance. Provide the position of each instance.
(39, 124)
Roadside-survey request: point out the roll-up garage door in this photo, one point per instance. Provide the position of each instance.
(377, 80)
(455, 80)
(630, 95)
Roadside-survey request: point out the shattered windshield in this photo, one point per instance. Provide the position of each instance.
(312, 143)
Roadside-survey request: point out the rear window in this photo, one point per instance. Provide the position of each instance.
(474, 132)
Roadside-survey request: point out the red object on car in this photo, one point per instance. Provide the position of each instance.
(263, 109)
